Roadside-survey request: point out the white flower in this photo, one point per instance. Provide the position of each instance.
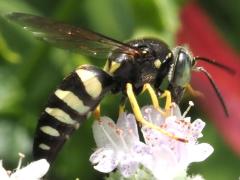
(118, 145)
(34, 171)
(171, 157)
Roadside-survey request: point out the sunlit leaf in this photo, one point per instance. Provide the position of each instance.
(7, 53)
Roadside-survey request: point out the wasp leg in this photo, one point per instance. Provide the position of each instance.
(168, 103)
(152, 94)
(122, 105)
(97, 112)
(194, 92)
(139, 117)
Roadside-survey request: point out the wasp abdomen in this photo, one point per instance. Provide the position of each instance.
(68, 107)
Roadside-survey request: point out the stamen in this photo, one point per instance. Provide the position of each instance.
(21, 156)
(188, 109)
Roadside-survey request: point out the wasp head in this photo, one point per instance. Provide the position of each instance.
(180, 71)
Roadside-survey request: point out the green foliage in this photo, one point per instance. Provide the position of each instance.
(30, 70)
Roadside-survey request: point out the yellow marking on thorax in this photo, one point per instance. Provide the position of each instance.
(60, 115)
(72, 101)
(50, 131)
(44, 146)
(106, 66)
(169, 55)
(91, 83)
(114, 66)
(157, 63)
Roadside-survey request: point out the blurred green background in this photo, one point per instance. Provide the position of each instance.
(30, 70)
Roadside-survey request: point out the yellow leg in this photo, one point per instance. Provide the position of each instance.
(97, 113)
(139, 117)
(122, 105)
(194, 92)
(152, 94)
(167, 94)
(121, 109)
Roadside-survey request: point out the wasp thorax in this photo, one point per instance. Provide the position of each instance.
(180, 73)
(150, 65)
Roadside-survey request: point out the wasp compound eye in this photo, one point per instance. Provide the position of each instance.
(182, 69)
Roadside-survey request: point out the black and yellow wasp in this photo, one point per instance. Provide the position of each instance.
(130, 69)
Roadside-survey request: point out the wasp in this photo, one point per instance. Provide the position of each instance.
(131, 68)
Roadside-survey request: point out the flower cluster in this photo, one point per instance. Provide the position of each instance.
(119, 144)
(34, 171)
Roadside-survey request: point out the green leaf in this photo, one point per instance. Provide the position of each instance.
(15, 6)
(7, 53)
(11, 91)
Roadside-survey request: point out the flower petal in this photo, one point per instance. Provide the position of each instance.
(104, 160)
(152, 115)
(197, 127)
(195, 177)
(140, 149)
(177, 126)
(127, 165)
(143, 153)
(33, 171)
(105, 133)
(199, 152)
(151, 137)
(3, 172)
(163, 164)
(175, 111)
(127, 122)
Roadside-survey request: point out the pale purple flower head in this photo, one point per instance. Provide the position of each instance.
(119, 146)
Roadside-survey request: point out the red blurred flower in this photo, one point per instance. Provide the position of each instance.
(203, 39)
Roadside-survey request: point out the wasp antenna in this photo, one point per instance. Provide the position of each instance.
(217, 91)
(213, 62)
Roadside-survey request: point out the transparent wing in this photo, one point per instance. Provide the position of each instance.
(69, 37)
